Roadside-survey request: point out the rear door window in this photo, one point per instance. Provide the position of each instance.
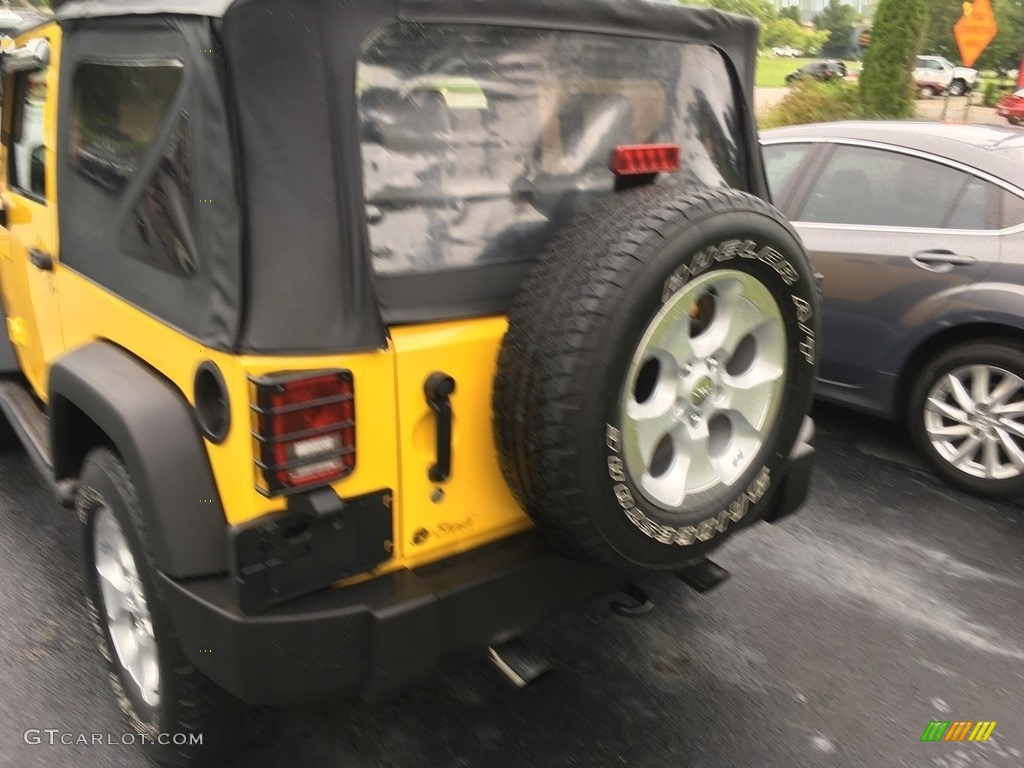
(877, 187)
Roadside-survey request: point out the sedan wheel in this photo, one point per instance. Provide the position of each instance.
(968, 417)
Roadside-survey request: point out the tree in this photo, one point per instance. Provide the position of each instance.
(783, 32)
(886, 84)
(839, 20)
(780, 33)
(762, 10)
(791, 12)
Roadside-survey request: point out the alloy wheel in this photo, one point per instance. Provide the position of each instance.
(704, 387)
(974, 418)
(125, 610)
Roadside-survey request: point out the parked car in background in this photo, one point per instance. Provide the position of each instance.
(1011, 106)
(918, 229)
(927, 89)
(788, 51)
(819, 70)
(12, 22)
(942, 72)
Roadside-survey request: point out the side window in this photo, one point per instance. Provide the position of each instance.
(880, 188)
(120, 110)
(976, 208)
(1012, 211)
(27, 157)
(781, 162)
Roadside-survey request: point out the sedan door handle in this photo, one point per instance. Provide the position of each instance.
(940, 258)
(40, 259)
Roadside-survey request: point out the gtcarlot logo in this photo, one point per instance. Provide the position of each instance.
(57, 737)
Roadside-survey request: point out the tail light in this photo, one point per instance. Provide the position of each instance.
(305, 430)
(645, 159)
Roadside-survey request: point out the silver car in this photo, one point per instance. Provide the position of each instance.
(918, 230)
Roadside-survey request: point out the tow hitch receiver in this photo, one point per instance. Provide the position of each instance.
(703, 576)
(518, 663)
(638, 604)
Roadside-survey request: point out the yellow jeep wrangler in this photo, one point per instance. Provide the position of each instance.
(360, 333)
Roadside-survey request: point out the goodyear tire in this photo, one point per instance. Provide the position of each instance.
(658, 366)
(180, 716)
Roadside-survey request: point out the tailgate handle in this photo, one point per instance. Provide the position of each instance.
(40, 259)
(438, 389)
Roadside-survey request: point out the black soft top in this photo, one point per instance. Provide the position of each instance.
(735, 36)
(291, 66)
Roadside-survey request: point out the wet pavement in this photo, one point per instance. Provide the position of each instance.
(889, 601)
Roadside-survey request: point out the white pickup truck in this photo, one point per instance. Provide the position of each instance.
(945, 75)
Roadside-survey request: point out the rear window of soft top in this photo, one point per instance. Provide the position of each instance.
(480, 142)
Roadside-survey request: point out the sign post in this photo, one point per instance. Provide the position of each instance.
(975, 30)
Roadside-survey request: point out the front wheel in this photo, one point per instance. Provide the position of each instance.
(179, 714)
(967, 417)
(957, 88)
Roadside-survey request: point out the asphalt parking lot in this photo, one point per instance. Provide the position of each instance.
(890, 601)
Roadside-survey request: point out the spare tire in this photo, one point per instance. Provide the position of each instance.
(659, 362)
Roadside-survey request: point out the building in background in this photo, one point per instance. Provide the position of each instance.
(808, 8)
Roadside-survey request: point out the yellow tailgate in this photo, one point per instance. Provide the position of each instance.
(474, 505)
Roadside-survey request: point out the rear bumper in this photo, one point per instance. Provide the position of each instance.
(374, 637)
(377, 636)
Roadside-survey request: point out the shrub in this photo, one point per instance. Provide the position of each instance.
(810, 101)
(990, 93)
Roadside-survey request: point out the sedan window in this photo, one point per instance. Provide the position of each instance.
(1013, 210)
(780, 163)
(876, 187)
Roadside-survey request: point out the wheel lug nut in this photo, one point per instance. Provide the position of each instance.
(694, 420)
(687, 370)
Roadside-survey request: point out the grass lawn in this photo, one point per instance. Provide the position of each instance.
(772, 70)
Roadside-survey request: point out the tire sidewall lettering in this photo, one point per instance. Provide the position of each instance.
(719, 253)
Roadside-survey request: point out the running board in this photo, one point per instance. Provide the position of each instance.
(32, 426)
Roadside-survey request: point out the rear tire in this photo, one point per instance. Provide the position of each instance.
(657, 369)
(966, 417)
(927, 92)
(155, 684)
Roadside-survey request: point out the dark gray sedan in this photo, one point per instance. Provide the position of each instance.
(918, 229)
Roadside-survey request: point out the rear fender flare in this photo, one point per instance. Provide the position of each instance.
(153, 429)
